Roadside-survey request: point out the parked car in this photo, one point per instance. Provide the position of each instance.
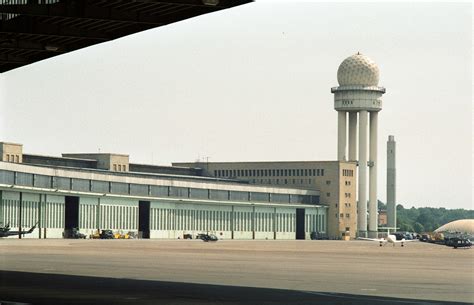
(106, 234)
(424, 237)
(207, 237)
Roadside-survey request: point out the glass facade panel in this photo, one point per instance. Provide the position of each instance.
(158, 191)
(176, 191)
(80, 185)
(138, 189)
(219, 195)
(7, 177)
(239, 196)
(119, 188)
(100, 186)
(62, 183)
(263, 197)
(280, 198)
(42, 181)
(198, 193)
(24, 179)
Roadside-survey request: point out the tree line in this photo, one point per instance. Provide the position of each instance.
(426, 219)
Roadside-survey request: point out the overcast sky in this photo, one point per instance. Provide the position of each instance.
(253, 84)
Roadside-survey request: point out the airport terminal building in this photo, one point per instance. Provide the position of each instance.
(104, 191)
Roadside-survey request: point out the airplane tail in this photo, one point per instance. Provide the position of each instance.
(32, 228)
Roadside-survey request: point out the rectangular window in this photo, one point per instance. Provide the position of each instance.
(318, 172)
(115, 167)
(124, 168)
(322, 172)
(119, 168)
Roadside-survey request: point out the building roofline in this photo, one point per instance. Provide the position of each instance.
(95, 154)
(58, 157)
(266, 162)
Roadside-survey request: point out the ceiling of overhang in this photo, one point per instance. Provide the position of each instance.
(33, 30)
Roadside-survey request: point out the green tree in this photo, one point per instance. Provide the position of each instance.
(418, 227)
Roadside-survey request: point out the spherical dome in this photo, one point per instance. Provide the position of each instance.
(462, 226)
(358, 70)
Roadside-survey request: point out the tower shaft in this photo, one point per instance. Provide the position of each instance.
(341, 135)
(352, 136)
(362, 203)
(391, 183)
(373, 216)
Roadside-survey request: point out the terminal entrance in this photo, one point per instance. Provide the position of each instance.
(71, 215)
(300, 218)
(144, 219)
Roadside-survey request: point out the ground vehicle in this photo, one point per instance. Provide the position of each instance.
(106, 234)
(424, 237)
(207, 237)
(73, 233)
(187, 236)
(103, 234)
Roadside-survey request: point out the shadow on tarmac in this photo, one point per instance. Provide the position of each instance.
(47, 289)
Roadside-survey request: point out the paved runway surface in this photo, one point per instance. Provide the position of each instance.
(232, 272)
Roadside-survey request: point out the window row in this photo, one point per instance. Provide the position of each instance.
(120, 167)
(348, 172)
(307, 172)
(12, 158)
(282, 181)
(96, 186)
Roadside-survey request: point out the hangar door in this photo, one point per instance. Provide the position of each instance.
(71, 215)
(144, 218)
(300, 219)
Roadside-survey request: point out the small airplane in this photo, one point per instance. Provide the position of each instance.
(5, 231)
(391, 238)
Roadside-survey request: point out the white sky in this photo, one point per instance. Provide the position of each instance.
(253, 83)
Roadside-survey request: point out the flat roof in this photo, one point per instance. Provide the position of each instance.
(35, 30)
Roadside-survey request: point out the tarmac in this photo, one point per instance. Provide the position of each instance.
(57, 271)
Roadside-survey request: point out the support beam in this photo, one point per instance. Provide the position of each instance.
(362, 203)
(341, 135)
(352, 136)
(373, 217)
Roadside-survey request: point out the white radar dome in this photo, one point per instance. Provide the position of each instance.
(358, 70)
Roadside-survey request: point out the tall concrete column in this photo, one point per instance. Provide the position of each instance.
(373, 217)
(341, 135)
(391, 183)
(352, 136)
(362, 204)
